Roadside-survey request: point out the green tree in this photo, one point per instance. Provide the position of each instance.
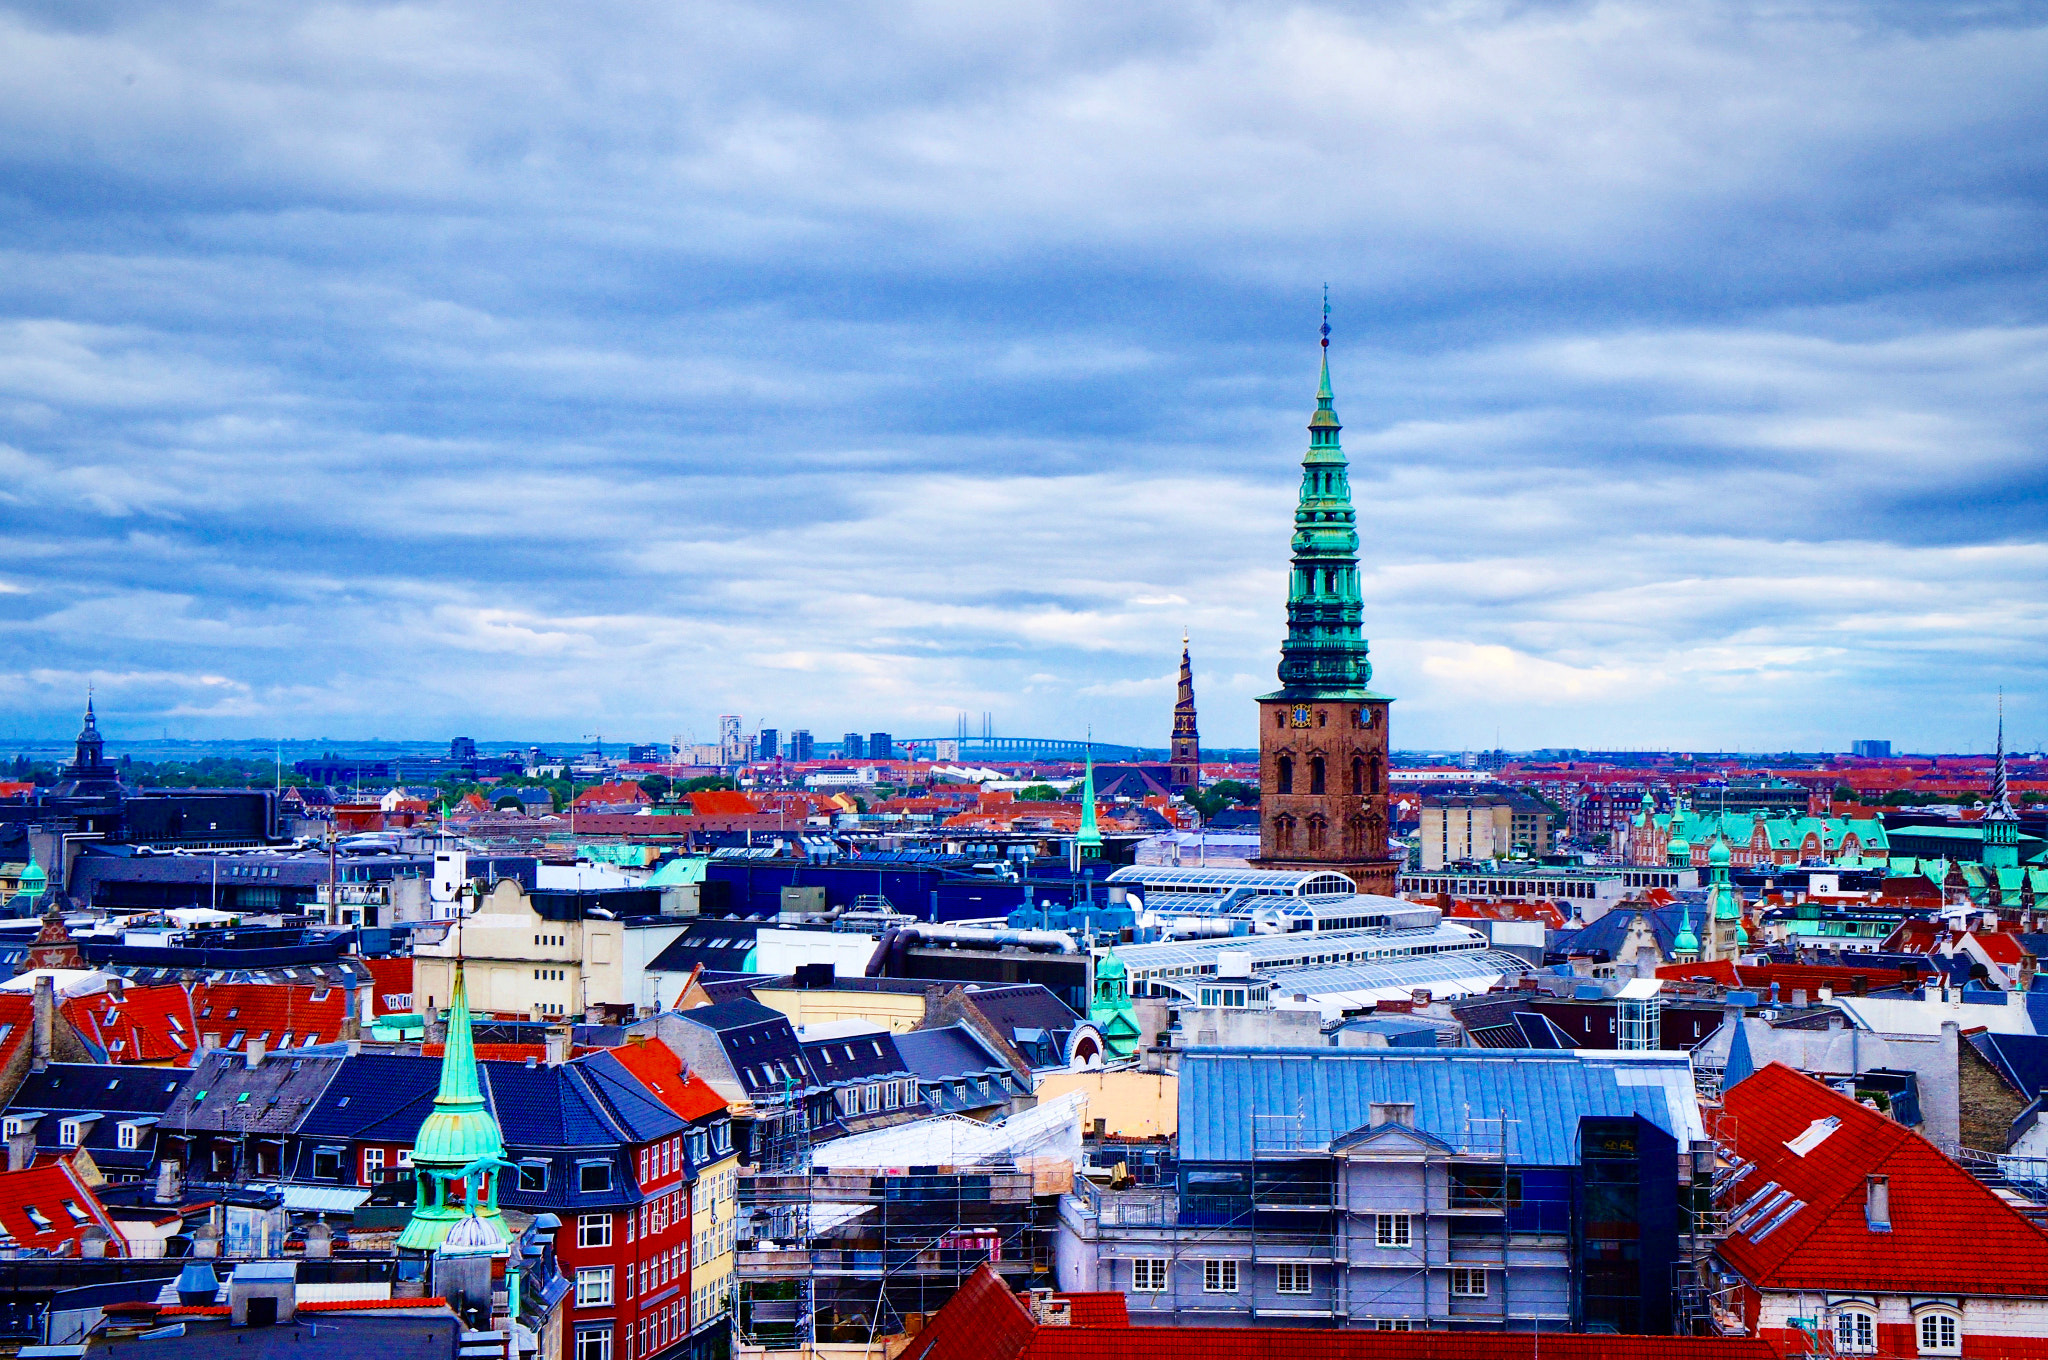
(705, 784)
(1039, 793)
(1222, 794)
(656, 786)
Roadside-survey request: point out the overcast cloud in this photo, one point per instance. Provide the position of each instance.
(405, 369)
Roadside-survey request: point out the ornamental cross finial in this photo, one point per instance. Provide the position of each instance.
(1326, 316)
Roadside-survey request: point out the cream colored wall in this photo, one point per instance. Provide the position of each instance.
(724, 1177)
(898, 1012)
(504, 942)
(1134, 1104)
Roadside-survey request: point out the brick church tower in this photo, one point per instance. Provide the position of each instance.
(1186, 761)
(1323, 733)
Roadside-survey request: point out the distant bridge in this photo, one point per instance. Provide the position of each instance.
(1030, 748)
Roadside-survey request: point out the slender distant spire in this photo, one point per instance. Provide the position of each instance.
(1089, 838)
(2001, 793)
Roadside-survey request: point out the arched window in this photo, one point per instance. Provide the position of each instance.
(1354, 838)
(1941, 1333)
(1322, 718)
(1317, 827)
(1280, 718)
(1855, 1332)
(1358, 776)
(1283, 833)
(1315, 774)
(1283, 775)
(1378, 766)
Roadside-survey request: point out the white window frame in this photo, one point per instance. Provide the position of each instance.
(128, 1136)
(1468, 1282)
(1394, 1232)
(1856, 1331)
(593, 1230)
(593, 1343)
(1931, 1320)
(594, 1287)
(69, 1132)
(1148, 1274)
(373, 1162)
(1220, 1275)
(1291, 1277)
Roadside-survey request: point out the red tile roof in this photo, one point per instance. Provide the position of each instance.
(721, 803)
(276, 1013)
(390, 977)
(143, 1025)
(52, 1192)
(1999, 947)
(17, 1024)
(663, 1073)
(1949, 1234)
(985, 1321)
(1812, 977)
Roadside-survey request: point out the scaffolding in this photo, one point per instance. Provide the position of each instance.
(839, 1255)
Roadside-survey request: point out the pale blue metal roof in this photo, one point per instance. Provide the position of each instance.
(1304, 1098)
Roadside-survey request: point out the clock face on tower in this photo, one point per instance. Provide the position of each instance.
(1301, 717)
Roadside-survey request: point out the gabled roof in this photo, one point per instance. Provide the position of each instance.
(48, 1205)
(226, 1095)
(2021, 1059)
(142, 1025)
(282, 1015)
(947, 1051)
(375, 1097)
(658, 1068)
(1949, 1234)
(589, 1102)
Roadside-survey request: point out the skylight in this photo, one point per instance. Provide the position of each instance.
(1816, 1133)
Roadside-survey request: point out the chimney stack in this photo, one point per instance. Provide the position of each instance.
(557, 1047)
(170, 1182)
(21, 1150)
(1877, 1203)
(255, 1053)
(45, 1022)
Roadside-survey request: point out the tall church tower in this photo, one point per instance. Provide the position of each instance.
(1186, 762)
(1323, 733)
(2001, 824)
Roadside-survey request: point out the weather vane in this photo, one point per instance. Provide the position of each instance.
(1326, 316)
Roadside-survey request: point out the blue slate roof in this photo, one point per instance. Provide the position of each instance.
(2021, 1059)
(945, 1052)
(1610, 932)
(375, 1097)
(64, 1090)
(1544, 1093)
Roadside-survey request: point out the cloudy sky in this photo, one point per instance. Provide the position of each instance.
(534, 370)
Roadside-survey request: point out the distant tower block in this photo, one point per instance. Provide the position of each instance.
(1186, 763)
(1323, 733)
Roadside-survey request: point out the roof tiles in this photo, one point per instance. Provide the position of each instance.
(1949, 1234)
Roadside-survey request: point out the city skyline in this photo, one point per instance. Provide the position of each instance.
(801, 363)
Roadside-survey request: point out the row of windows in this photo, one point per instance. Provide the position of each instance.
(71, 1132)
(881, 1095)
(1366, 776)
(548, 974)
(1149, 1274)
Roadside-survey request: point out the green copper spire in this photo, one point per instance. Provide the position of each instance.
(1089, 839)
(1324, 656)
(1686, 942)
(459, 1150)
(1720, 892)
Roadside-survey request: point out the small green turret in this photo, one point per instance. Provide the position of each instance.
(459, 1151)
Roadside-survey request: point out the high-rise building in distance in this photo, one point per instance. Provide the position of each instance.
(768, 745)
(800, 746)
(853, 746)
(881, 746)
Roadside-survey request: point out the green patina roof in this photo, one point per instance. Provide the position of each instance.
(1324, 654)
(679, 872)
(460, 1142)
